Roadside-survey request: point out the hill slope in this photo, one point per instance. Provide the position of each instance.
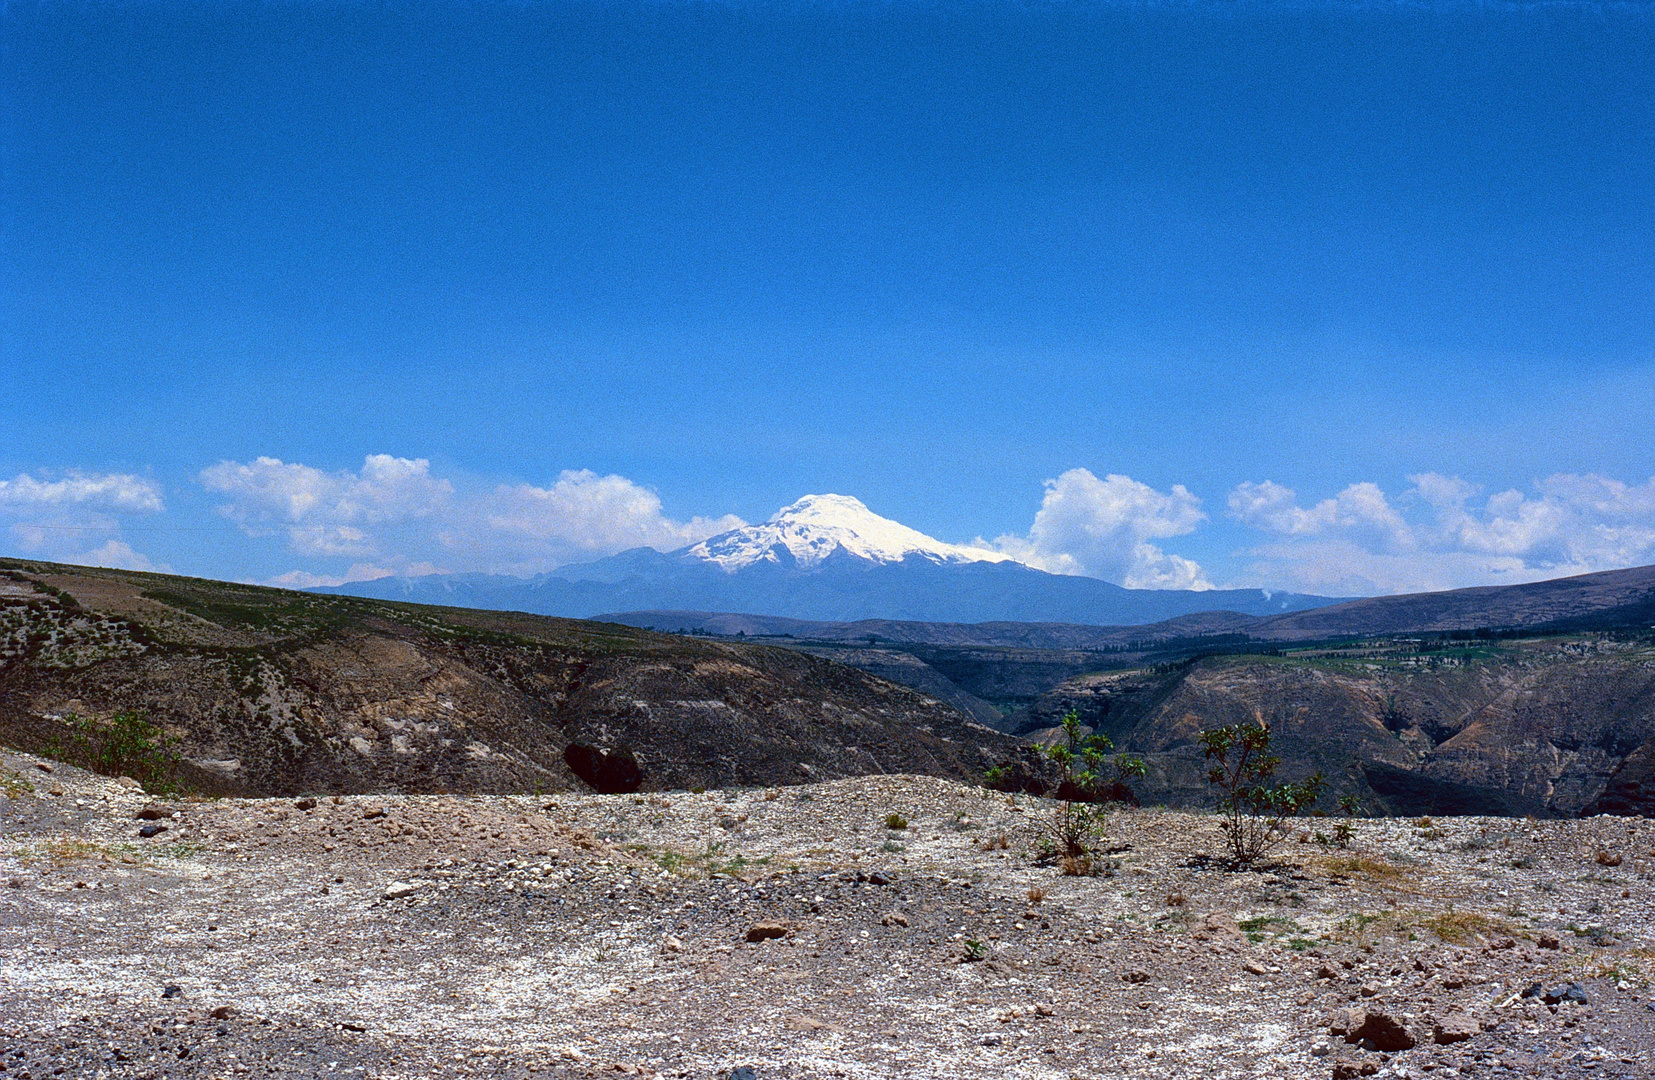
(271, 691)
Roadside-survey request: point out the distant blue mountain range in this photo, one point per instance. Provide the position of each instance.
(826, 558)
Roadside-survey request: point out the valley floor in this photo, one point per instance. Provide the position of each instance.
(415, 936)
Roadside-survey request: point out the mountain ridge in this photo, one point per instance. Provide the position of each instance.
(825, 557)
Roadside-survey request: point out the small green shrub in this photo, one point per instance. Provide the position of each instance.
(895, 822)
(1254, 812)
(126, 744)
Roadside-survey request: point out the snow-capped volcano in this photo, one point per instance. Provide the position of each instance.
(817, 526)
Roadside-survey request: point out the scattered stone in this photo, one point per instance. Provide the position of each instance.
(223, 1012)
(172, 990)
(1222, 925)
(1345, 1021)
(895, 918)
(153, 812)
(306, 803)
(744, 1072)
(55, 789)
(373, 812)
(1566, 992)
(1384, 1031)
(397, 890)
(1253, 967)
(765, 930)
(1136, 975)
(1325, 972)
(1548, 941)
(152, 830)
(1453, 1028)
(352, 1025)
(1348, 1068)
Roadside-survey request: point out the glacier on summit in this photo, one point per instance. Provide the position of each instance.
(816, 526)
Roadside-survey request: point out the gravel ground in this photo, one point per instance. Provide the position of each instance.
(415, 936)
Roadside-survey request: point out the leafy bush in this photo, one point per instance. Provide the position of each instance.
(1083, 793)
(1076, 822)
(895, 822)
(1254, 811)
(126, 744)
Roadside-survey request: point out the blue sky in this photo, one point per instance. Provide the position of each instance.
(1340, 297)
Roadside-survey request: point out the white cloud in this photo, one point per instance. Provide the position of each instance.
(1103, 528)
(400, 518)
(304, 579)
(63, 519)
(107, 491)
(327, 513)
(1359, 542)
(580, 516)
(118, 555)
(1359, 508)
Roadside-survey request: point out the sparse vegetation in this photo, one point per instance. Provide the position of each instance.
(1254, 812)
(895, 822)
(126, 744)
(1455, 927)
(1075, 824)
(13, 784)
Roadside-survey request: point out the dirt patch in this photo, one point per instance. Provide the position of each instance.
(510, 936)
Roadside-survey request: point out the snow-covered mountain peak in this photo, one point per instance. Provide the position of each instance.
(818, 525)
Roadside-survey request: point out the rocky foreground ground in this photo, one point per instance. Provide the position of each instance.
(791, 932)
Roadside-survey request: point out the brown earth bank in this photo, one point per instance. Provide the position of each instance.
(793, 932)
(269, 691)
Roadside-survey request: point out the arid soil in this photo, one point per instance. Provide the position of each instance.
(790, 932)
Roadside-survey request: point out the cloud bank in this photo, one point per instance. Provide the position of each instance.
(395, 517)
(76, 518)
(1443, 533)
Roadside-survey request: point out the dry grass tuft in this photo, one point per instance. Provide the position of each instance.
(1366, 866)
(997, 842)
(1036, 894)
(1455, 927)
(13, 785)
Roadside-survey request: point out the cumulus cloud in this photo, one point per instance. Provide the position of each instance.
(63, 518)
(1105, 528)
(108, 491)
(1447, 534)
(327, 513)
(398, 517)
(118, 555)
(581, 515)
